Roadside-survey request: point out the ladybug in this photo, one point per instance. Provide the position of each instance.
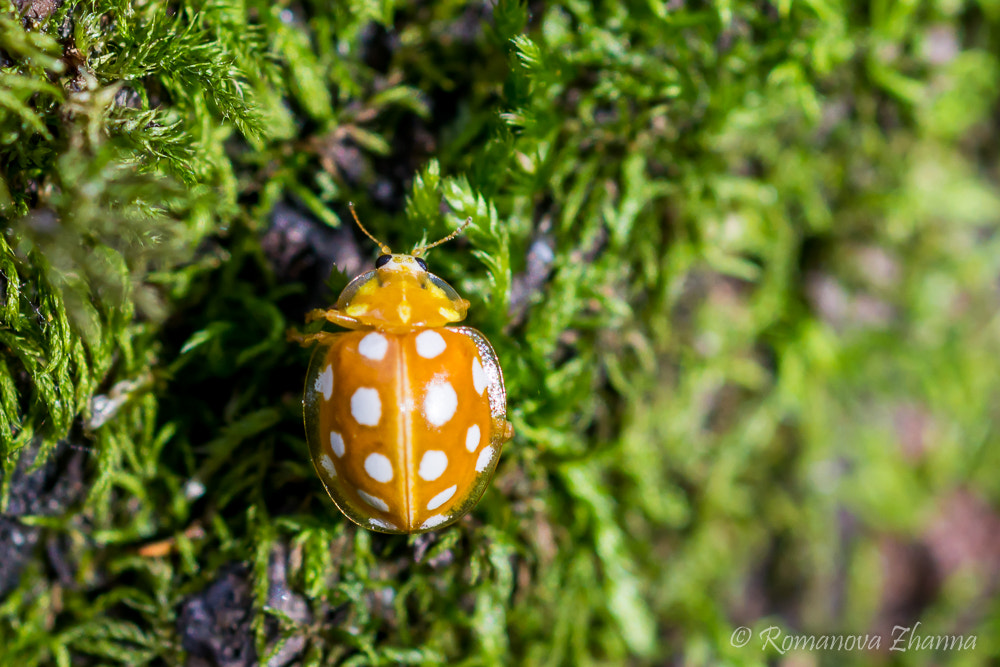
(405, 416)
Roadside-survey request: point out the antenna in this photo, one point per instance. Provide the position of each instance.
(381, 246)
(424, 248)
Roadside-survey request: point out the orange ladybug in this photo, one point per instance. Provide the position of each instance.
(404, 415)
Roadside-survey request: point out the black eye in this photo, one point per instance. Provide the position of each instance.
(382, 261)
(421, 263)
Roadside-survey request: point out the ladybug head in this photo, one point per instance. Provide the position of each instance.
(401, 294)
(394, 263)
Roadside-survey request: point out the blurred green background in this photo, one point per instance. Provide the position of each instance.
(739, 261)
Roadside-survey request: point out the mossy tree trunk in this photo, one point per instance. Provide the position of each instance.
(738, 260)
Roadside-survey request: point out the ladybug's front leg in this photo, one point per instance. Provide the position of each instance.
(305, 340)
(330, 315)
(333, 316)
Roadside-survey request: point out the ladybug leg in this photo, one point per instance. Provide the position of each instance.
(508, 431)
(305, 340)
(330, 315)
(334, 316)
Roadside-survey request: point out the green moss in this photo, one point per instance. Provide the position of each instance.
(756, 361)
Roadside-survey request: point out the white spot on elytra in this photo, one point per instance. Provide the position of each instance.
(484, 459)
(472, 438)
(435, 520)
(337, 443)
(379, 523)
(440, 402)
(327, 464)
(378, 467)
(324, 383)
(374, 501)
(432, 464)
(430, 344)
(366, 408)
(373, 346)
(478, 376)
(441, 498)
